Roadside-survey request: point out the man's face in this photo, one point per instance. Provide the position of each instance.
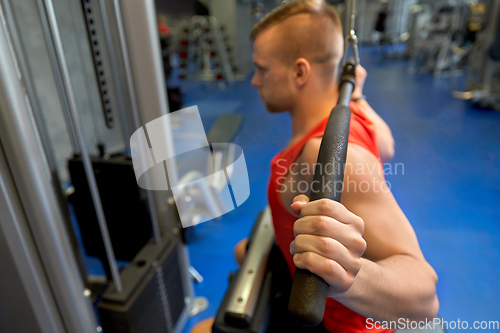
(272, 76)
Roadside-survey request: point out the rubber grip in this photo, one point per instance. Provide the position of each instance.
(307, 298)
(309, 291)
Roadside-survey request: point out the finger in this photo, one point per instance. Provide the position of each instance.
(299, 202)
(331, 209)
(301, 198)
(330, 271)
(325, 247)
(361, 71)
(319, 226)
(327, 227)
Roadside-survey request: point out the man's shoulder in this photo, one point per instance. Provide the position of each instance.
(361, 165)
(355, 153)
(310, 152)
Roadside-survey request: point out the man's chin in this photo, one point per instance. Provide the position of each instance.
(273, 108)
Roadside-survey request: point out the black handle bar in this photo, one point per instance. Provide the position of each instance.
(308, 295)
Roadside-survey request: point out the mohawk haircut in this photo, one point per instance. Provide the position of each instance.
(295, 7)
(318, 38)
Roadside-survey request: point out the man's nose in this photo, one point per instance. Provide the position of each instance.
(255, 81)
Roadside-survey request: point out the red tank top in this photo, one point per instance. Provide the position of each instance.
(337, 318)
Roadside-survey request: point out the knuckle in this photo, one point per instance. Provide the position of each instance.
(354, 267)
(326, 245)
(307, 259)
(362, 245)
(359, 244)
(361, 223)
(358, 223)
(299, 240)
(331, 269)
(320, 224)
(325, 207)
(357, 265)
(296, 227)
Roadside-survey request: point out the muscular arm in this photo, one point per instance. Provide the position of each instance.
(394, 280)
(385, 140)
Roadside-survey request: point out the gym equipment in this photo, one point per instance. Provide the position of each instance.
(395, 13)
(175, 98)
(435, 33)
(258, 293)
(482, 83)
(124, 203)
(47, 290)
(97, 57)
(224, 130)
(204, 191)
(152, 290)
(141, 294)
(246, 303)
(420, 17)
(203, 53)
(53, 79)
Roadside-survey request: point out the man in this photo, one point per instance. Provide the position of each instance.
(363, 247)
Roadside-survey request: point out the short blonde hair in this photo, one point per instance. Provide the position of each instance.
(295, 7)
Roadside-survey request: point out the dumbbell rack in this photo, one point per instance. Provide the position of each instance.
(203, 53)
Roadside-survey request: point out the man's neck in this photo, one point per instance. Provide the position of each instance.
(308, 113)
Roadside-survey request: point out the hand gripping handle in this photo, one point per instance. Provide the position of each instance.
(309, 291)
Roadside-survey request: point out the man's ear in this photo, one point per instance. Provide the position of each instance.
(302, 71)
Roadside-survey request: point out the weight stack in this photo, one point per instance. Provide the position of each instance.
(123, 201)
(153, 296)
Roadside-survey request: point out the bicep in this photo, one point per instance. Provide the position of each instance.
(387, 230)
(366, 194)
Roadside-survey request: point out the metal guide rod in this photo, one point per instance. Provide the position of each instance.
(352, 14)
(126, 63)
(114, 72)
(80, 135)
(57, 76)
(27, 81)
(135, 112)
(75, 14)
(361, 12)
(351, 37)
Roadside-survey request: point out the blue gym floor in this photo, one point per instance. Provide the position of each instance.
(450, 189)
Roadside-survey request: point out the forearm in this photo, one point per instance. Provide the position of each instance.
(397, 287)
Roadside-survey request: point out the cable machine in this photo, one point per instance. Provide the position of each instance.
(77, 79)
